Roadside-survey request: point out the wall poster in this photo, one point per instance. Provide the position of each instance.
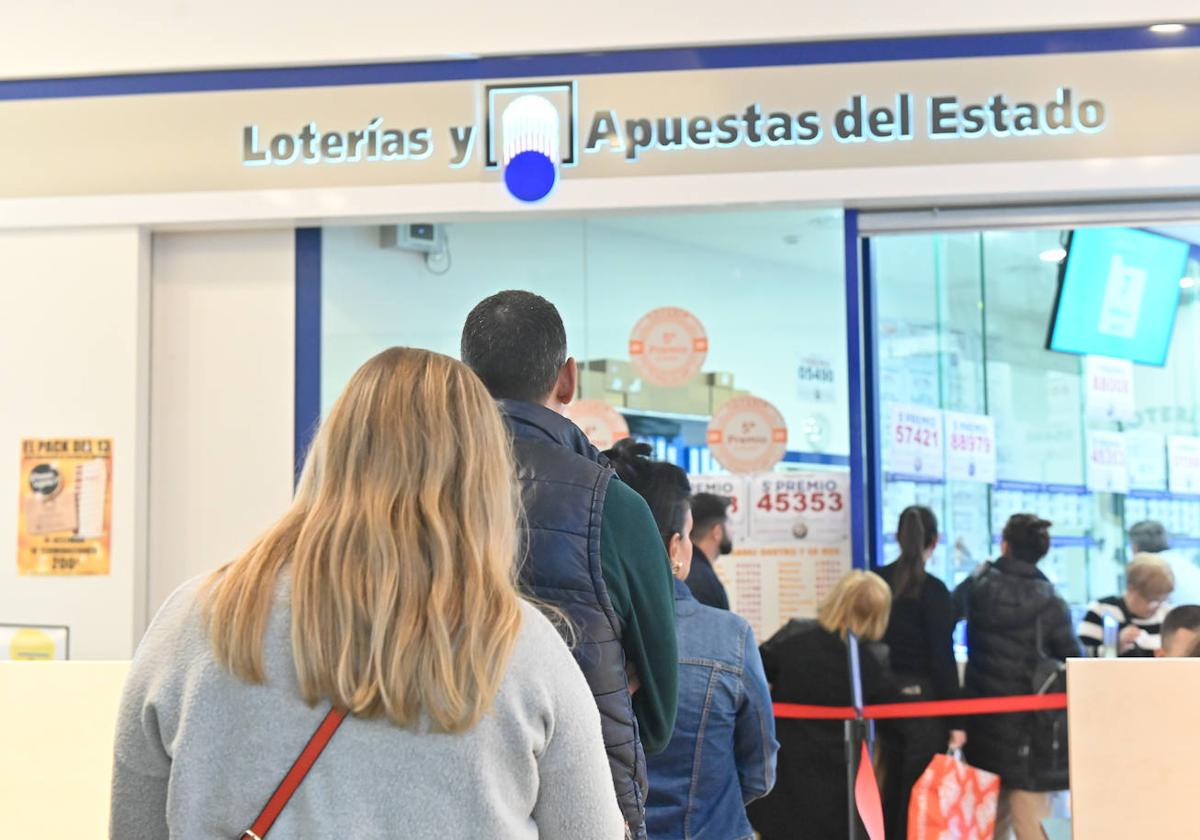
(65, 515)
(795, 549)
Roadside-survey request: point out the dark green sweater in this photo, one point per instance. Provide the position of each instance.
(638, 577)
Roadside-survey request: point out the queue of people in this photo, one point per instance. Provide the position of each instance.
(722, 754)
(469, 603)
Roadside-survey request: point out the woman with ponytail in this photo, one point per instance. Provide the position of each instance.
(920, 643)
(722, 752)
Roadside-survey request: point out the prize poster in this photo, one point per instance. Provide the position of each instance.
(65, 515)
(736, 489)
(1108, 462)
(795, 549)
(917, 449)
(1183, 457)
(970, 447)
(769, 585)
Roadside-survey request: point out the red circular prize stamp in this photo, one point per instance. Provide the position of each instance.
(747, 434)
(668, 346)
(602, 424)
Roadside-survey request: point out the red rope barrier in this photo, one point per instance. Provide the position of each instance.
(930, 708)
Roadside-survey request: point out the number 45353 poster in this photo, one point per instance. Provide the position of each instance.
(66, 506)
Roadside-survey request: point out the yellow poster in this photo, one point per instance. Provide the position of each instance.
(65, 515)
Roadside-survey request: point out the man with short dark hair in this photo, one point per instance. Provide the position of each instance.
(1151, 537)
(592, 546)
(711, 539)
(1181, 631)
(1148, 536)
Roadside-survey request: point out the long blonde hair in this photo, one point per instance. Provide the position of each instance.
(401, 544)
(861, 603)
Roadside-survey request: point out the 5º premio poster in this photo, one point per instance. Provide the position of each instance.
(66, 506)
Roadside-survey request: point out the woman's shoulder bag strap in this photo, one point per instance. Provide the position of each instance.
(304, 762)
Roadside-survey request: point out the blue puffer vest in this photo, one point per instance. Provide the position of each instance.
(564, 481)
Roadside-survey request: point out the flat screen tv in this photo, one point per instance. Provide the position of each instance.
(1117, 294)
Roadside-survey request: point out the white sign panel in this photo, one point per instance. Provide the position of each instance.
(1146, 454)
(1108, 469)
(815, 379)
(1183, 458)
(809, 507)
(970, 447)
(1123, 296)
(1108, 388)
(917, 447)
(736, 489)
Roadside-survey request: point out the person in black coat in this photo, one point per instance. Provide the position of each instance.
(805, 662)
(920, 641)
(1016, 623)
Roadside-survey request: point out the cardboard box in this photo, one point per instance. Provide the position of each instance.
(719, 379)
(593, 385)
(690, 399)
(617, 375)
(717, 397)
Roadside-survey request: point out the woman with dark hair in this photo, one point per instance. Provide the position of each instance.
(1018, 633)
(921, 650)
(722, 753)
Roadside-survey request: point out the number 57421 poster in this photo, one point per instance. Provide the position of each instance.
(65, 515)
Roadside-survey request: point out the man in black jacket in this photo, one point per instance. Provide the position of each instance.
(1018, 628)
(710, 540)
(592, 547)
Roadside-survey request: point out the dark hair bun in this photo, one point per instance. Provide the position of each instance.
(1028, 537)
(631, 460)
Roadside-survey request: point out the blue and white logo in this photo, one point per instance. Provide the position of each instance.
(532, 147)
(531, 135)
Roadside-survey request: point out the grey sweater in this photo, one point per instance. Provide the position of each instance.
(199, 752)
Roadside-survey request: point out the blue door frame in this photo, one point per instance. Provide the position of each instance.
(866, 474)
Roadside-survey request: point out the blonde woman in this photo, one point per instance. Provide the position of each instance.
(806, 662)
(386, 591)
(1139, 613)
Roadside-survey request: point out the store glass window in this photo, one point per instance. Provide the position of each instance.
(963, 324)
(672, 318)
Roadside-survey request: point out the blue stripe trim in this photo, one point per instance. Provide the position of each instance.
(625, 61)
(817, 458)
(915, 478)
(1066, 541)
(1162, 495)
(308, 342)
(859, 400)
(1036, 487)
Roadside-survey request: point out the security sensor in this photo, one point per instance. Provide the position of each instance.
(421, 237)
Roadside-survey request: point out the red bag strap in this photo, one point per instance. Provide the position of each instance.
(304, 762)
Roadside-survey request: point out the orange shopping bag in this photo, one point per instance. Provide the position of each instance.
(953, 801)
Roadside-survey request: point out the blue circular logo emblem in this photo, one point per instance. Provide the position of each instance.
(530, 176)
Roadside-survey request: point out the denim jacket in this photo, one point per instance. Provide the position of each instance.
(722, 753)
